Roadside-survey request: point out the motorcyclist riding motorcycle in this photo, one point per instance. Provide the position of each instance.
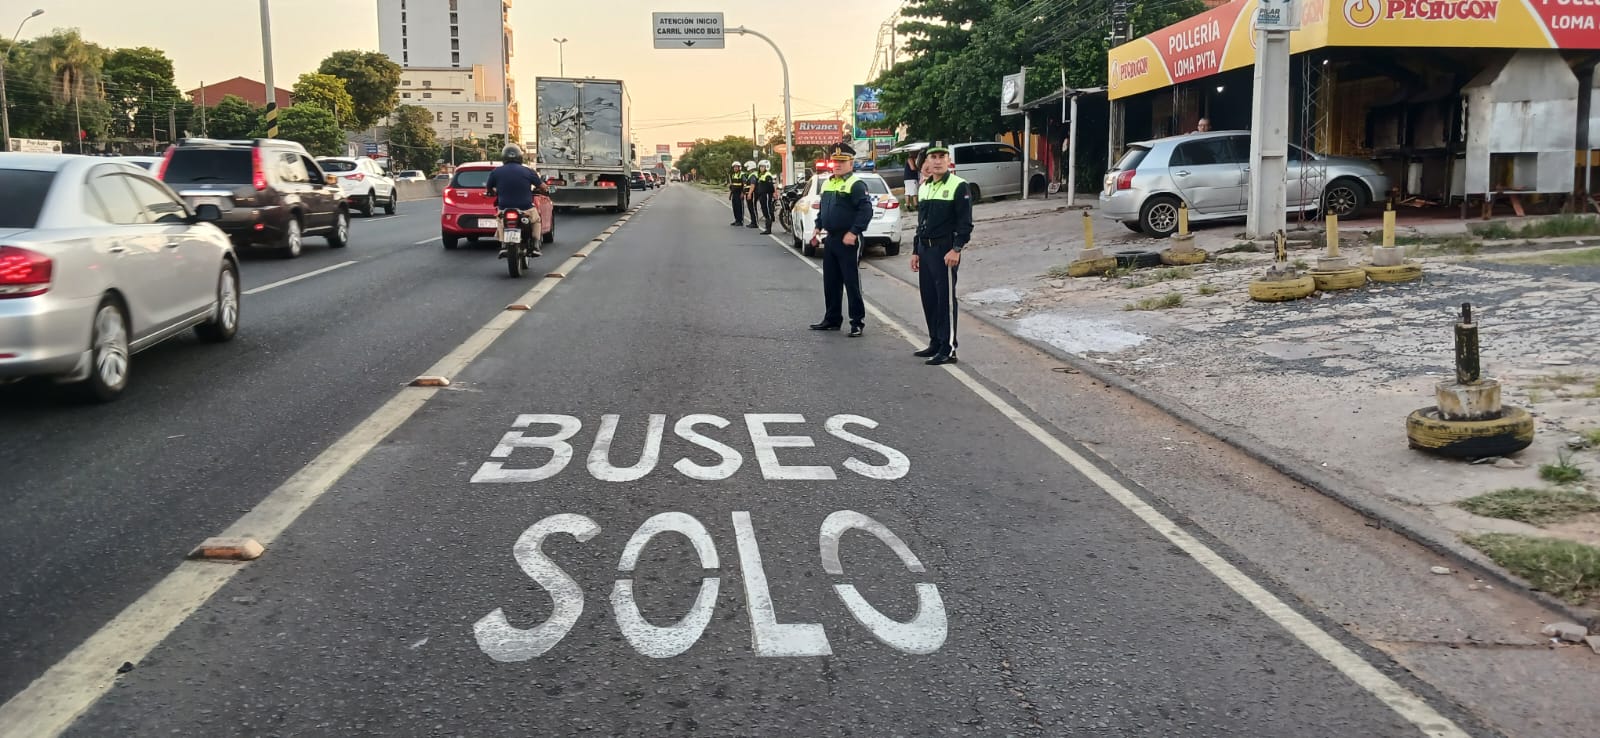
(513, 185)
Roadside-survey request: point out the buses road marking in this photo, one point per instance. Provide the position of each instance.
(292, 280)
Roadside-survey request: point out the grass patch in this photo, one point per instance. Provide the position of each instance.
(1164, 302)
(1531, 506)
(1561, 472)
(1581, 257)
(1565, 569)
(1243, 247)
(1556, 227)
(1120, 272)
(1592, 436)
(1300, 264)
(1211, 289)
(1559, 380)
(1158, 276)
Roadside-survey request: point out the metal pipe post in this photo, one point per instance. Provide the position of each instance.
(1072, 155)
(1468, 368)
(5, 106)
(788, 118)
(266, 60)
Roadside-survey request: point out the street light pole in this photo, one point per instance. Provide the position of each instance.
(5, 107)
(788, 121)
(266, 60)
(561, 51)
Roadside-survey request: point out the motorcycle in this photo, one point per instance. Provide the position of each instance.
(791, 195)
(515, 233)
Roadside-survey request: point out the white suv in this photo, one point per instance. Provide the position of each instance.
(363, 182)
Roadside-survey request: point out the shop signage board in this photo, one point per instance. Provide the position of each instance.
(818, 132)
(1223, 38)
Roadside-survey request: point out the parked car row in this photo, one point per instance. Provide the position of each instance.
(883, 230)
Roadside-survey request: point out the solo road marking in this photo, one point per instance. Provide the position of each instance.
(292, 280)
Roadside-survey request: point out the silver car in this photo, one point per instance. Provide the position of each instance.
(1210, 172)
(99, 260)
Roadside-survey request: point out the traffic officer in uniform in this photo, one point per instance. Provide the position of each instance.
(944, 226)
(750, 192)
(766, 189)
(736, 194)
(846, 210)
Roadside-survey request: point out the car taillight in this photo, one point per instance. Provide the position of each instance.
(358, 176)
(24, 273)
(161, 170)
(816, 205)
(258, 172)
(889, 204)
(1125, 180)
(607, 183)
(556, 182)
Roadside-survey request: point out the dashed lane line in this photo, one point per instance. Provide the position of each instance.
(292, 280)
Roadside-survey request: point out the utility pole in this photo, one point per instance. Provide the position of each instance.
(155, 142)
(755, 143)
(172, 123)
(77, 118)
(561, 51)
(5, 106)
(203, 131)
(788, 118)
(1120, 32)
(266, 60)
(1269, 120)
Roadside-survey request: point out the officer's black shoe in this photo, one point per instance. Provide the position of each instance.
(855, 331)
(752, 226)
(766, 232)
(736, 223)
(941, 359)
(925, 353)
(824, 326)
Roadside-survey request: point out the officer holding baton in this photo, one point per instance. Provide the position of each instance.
(944, 226)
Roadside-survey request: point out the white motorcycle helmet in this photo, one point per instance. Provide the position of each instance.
(765, 164)
(750, 164)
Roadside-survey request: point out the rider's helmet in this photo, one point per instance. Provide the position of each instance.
(512, 154)
(750, 164)
(765, 164)
(736, 165)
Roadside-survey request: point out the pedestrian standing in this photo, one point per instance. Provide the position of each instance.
(913, 176)
(844, 214)
(944, 226)
(736, 193)
(766, 189)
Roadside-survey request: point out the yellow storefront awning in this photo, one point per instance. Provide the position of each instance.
(1223, 38)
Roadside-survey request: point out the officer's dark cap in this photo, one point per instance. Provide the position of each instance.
(842, 152)
(938, 147)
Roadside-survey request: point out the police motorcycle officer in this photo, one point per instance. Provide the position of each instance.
(736, 194)
(766, 188)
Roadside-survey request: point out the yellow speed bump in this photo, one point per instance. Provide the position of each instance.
(1399, 273)
(430, 381)
(1339, 279)
(228, 549)
(1282, 289)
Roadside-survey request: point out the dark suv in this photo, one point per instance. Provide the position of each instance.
(271, 192)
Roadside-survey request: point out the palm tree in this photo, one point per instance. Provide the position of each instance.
(73, 66)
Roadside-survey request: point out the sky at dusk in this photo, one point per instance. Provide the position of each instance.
(677, 95)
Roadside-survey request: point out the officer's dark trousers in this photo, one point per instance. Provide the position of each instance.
(766, 209)
(750, 205)
(738, 208)
(840, 270)
(937, 283)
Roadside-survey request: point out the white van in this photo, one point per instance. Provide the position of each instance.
(991, 169)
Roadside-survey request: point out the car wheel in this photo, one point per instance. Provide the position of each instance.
(1344, 197)
(292, 239)
(808, 250)
(108, 353)
(390, 206)
(453, 242)
(797, 242)
(339, 237)
(1159, 216)
(224, 323)
(977, 194)
(891, 249)
(368, 203)
(551, 236)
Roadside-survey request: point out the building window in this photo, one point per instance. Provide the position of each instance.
(402, 15)
(427, 83)
(427, 94)
(452, 5)
(403, 44)
(455, 31)
(455, 92)
(405, 83)
(405, 57)
(486, 125)
(455, 44)
(455, 58)
(406, 95)
(454, 19)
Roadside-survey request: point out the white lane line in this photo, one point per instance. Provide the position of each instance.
(72, 685)
(292, 280)
(426, 240)
(1402, 701)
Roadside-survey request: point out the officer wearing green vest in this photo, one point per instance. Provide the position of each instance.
(766, 189)
(736, 193)
(750, 192)
(944, 226)
(846, 210)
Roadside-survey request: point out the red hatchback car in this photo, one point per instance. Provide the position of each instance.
(469, 211)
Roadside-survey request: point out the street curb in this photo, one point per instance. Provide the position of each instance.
(1366, 503)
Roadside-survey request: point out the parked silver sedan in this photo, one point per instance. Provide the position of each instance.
(1210, 172)
(98, 261)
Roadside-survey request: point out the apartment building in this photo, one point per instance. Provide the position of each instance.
(455, 57)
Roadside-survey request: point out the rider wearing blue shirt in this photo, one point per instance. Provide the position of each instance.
(512, 185)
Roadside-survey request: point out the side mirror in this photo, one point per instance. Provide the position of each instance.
(207, 213)
(332, 179)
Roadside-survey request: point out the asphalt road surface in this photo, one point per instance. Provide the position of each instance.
(653, 504)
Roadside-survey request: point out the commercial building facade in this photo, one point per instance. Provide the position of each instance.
(456, 56)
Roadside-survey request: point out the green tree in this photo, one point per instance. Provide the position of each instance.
(327, 92)
(371, 78)
(314, 128)
(412, 142)
(69, 69)
(234, 118)
(139, 88)
(714, 159)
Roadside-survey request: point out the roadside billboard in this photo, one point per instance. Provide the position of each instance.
(663, 149)
(818, 132)
(869, 119)
(686, 144)
(34, 146)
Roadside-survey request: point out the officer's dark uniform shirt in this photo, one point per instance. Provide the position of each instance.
(513, 185)
(736, 183)
(944, 211)
(766, 183)
(846, 207)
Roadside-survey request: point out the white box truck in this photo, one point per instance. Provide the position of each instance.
(585, 144)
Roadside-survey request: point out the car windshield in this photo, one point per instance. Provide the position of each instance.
(26, 190)
(411, 173)
(472, 178)
(335, 165)
(1131, 159)
(190, 166)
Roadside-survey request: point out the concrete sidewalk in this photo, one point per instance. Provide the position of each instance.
(1322, 385)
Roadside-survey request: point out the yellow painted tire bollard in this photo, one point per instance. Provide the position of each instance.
(1334, 271)
(1282, 282)
(1182, 252)
(1388, 265)
(1091, 262)
(1468, 420)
